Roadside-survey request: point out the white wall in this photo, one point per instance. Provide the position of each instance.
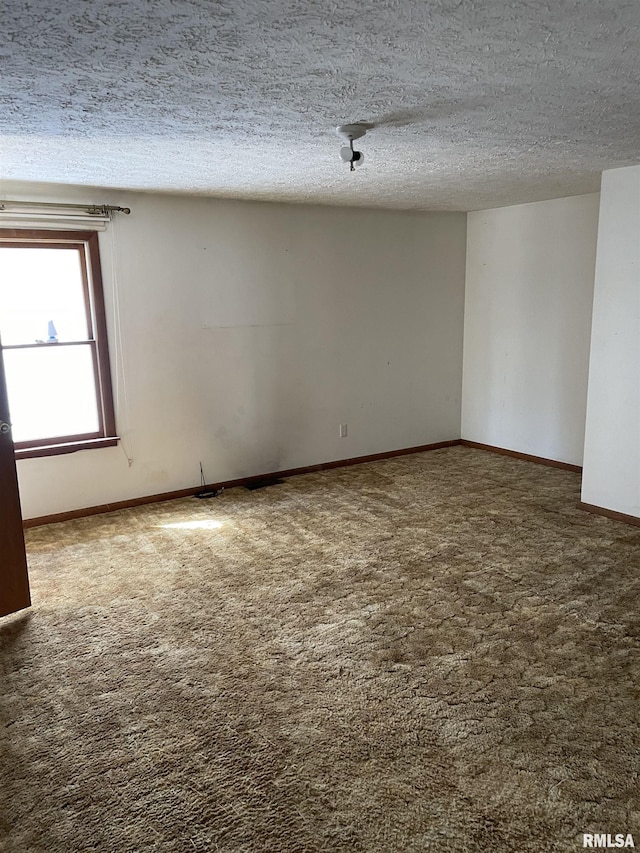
(529, 290)
(250, 331)
(611, 476)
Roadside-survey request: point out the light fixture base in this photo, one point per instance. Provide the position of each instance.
(352, 131)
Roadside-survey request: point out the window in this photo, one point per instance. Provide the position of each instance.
(54, 343)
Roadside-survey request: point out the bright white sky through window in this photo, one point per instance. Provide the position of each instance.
(51, 386)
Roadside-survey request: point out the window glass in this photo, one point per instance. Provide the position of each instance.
(41, 296)
(53, 341)
(51, 391)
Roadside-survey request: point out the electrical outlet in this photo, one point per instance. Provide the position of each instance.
(343, 430)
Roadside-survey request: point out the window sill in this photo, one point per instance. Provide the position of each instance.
(67, 447)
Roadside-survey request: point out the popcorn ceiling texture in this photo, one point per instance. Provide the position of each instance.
(478, 103)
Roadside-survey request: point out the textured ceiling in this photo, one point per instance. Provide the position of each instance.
(477, 104)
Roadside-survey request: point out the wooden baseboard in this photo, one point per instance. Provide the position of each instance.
(610, 513)
(540, 460)
(228, 484)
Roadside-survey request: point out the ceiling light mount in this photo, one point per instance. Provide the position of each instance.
(349, 132)
(353, 131)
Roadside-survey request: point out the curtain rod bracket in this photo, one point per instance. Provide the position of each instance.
(106, 209)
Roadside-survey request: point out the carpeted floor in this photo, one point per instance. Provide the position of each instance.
(434, 652)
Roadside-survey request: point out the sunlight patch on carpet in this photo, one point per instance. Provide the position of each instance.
(197, 524)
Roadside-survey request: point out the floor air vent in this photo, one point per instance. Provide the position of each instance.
(263, 483)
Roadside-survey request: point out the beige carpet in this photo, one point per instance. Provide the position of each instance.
(435, 652)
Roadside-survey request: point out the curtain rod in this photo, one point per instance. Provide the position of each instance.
(91, 209)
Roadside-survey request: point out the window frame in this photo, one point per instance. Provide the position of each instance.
(86, 243)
